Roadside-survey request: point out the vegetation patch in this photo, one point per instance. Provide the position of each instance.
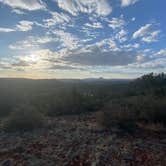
(23, 118)
(127, 113)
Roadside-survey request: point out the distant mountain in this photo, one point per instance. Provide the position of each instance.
(105, 80)
(52, 81)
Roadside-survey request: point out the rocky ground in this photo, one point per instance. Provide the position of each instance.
(79, 141)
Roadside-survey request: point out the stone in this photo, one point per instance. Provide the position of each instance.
(7, 162)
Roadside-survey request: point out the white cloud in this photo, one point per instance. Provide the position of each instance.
(21, 63)
(4, 64)
(121, 35)
(43, 40)
(21, 26)
(94, 25)
(74, 7)
(147, 33)
(142, 31)
(24, 25)
(116, 22)
(25, 4)
(131, 46)
(125, 3)
(162, 52)
(17, 11)
(118, 26)
(151, 37)
(22, 45)
(89, 32)
(133, 19)
(107, 44)
(159, 63)
(31, 43)
(6, 29)
(56, 19)
(147, 50)
(67, 39)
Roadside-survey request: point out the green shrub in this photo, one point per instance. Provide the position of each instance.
(23, 118)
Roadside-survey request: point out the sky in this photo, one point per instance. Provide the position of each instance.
(82, 38)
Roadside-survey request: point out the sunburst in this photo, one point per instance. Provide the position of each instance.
(33, 58)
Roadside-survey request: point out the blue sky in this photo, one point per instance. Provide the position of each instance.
(82, 38)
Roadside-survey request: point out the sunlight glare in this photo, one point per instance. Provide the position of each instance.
(33, 58)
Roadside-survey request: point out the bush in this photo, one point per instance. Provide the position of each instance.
(153, 110)
(117, 115)
(23, 118)
(125, 113)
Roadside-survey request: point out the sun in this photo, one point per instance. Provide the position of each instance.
(33, 58)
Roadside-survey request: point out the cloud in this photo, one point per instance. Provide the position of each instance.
(146, 33)
(31, 43)
(22, 45)
(4, 64)
(89, 32)
(86, 59)
(118, 26)
(125, 3)
(17, 11)
(94, 25)
(142, 31)
(56, 18)
(82, 32)
(162, 52)
(6, 29)
(133, 19)
(62, 67)
(66, 39)
(24, 25)
(115, 23)
(131, 46)
(21, 26)
(151, 37)
(20, 63)
(156, 64)
(41, 60)
(75, 7)
(121, 35)
(25, 4)
(94, 56)
(32, 60)
(42, 40)
(107, 44)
